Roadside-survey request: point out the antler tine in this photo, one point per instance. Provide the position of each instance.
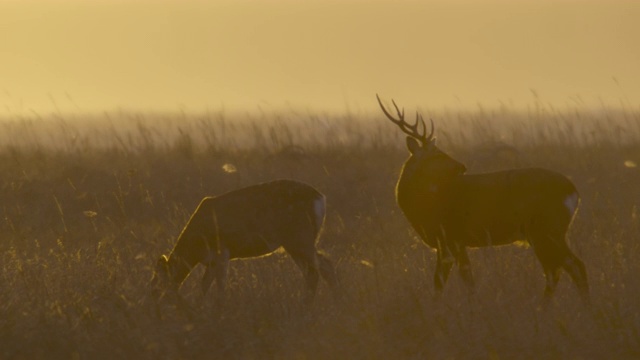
(430, 138)
(400, 113)
(420, 121)
(411, 130)
(389, 116)
(424, 128)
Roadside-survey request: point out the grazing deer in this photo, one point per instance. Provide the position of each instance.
(451, 210)
(251, 222)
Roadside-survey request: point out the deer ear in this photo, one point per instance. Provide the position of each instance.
(413, 145)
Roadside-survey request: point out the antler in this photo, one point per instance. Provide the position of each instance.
(411, 130)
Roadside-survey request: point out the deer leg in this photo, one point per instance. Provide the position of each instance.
(216, 270)
(551, 256)
(327, 271)
(575, 268)
(309, 267)
(443, 268)
(552, 275)
(207, 278)
(551, 266)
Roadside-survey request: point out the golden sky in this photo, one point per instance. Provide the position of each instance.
(321, 55)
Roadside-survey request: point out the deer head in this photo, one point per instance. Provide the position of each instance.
(427, 166)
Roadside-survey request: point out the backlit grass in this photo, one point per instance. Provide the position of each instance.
(88, 203)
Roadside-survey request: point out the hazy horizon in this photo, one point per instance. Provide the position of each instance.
(75, 56)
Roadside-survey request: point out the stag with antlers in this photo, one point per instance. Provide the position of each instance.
(452, 211)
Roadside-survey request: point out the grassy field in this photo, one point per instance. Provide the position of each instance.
(90, 202)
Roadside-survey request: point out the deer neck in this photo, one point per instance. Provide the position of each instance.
(190, 249)
(412, 192)
(420, 191)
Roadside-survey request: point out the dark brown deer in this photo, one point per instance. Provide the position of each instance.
(250, 222)
(452, 210)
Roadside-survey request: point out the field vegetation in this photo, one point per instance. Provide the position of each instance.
(89, 202)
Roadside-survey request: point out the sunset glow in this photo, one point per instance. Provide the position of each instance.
(81, 56)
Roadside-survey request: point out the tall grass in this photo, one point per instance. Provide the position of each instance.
(89, 202)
